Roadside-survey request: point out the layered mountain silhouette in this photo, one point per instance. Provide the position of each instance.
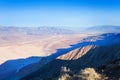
(93, 51)
(33, 30)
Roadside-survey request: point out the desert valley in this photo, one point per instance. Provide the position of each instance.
(40, 53)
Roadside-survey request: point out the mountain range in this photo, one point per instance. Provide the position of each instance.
(104, 29)
(33, 30)
(96, 47)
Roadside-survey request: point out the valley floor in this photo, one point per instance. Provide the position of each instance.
(28, 46)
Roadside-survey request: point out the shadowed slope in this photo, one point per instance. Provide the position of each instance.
(94, 58)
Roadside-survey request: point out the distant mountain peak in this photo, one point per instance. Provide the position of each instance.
(104, 29)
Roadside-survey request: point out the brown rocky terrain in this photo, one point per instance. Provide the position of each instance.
(75, 54)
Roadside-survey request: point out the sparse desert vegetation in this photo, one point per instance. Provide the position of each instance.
(85, 74)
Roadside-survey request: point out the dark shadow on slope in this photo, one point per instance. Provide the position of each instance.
(15, 69)
(112, 70)
(11, 67)
(94, 58)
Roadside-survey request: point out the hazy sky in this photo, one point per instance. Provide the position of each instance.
(73, 13)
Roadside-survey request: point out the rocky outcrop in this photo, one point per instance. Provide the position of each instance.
(75, 54)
